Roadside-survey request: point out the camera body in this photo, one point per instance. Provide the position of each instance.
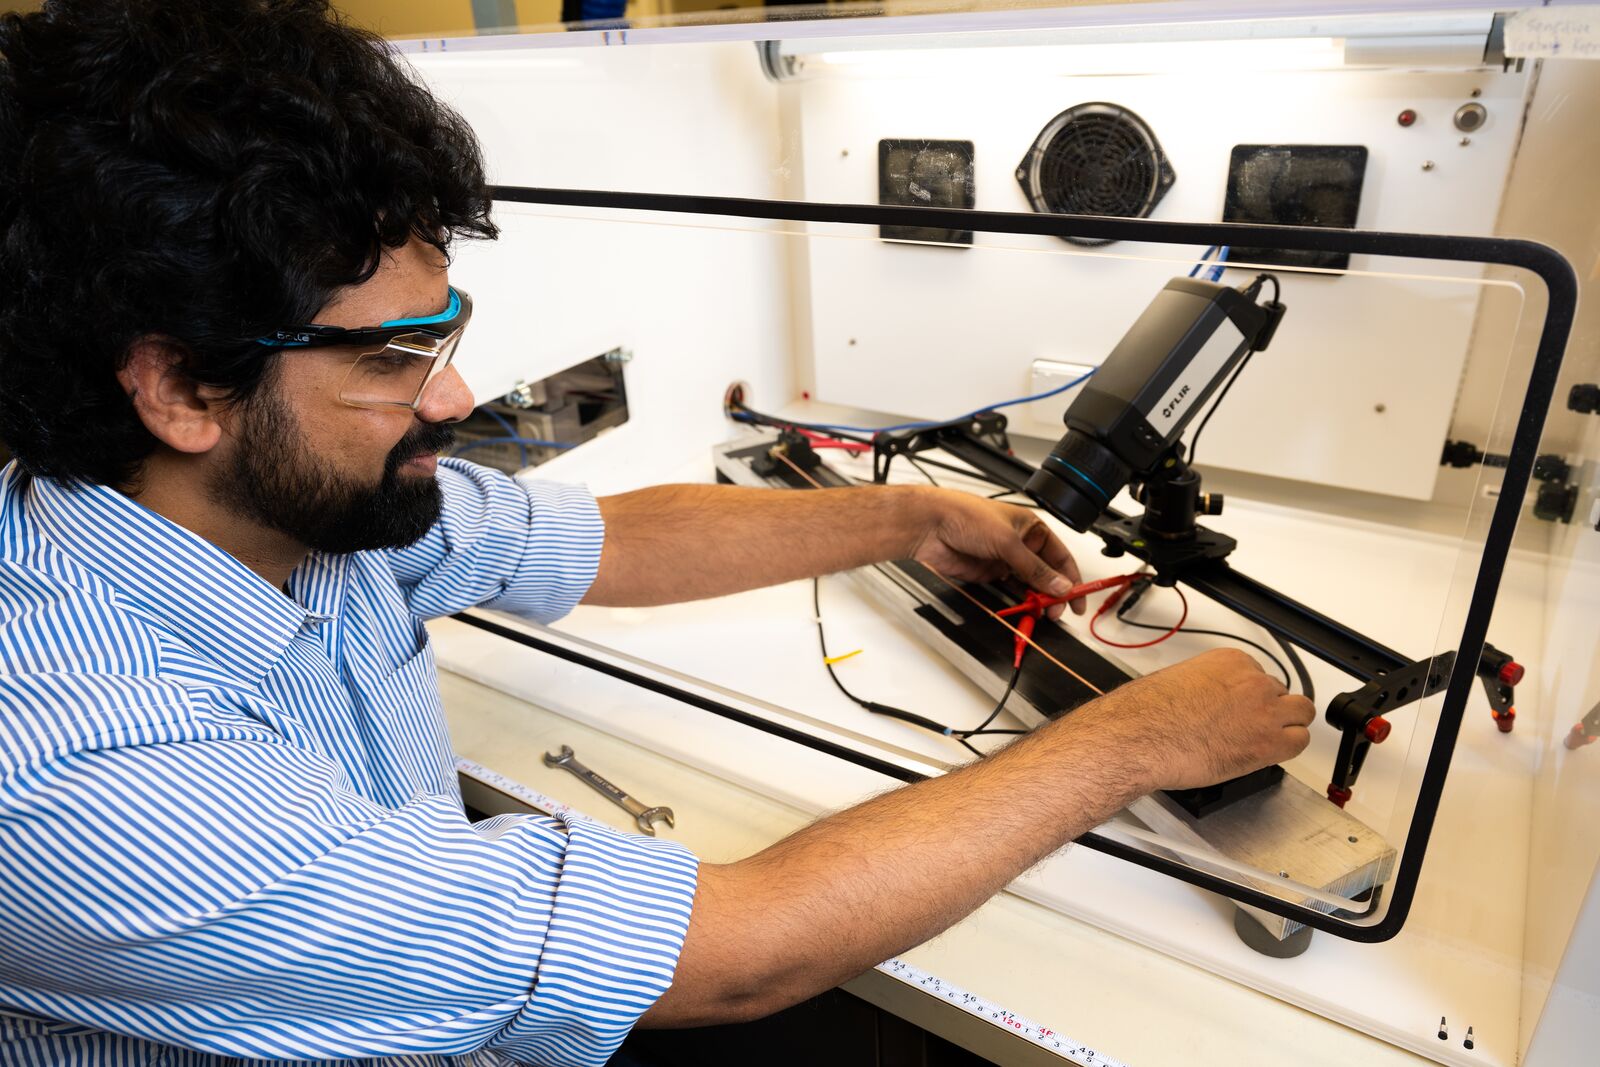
(1136, 407)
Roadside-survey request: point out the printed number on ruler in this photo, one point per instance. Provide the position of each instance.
(548, 805)
(972, 1004)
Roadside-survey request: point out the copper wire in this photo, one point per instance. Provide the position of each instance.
(784, 458)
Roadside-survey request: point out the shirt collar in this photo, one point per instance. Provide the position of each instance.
(193, 589)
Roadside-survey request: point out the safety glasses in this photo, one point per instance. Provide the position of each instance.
(394, 361)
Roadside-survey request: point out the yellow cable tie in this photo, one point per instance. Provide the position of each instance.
(831, 660)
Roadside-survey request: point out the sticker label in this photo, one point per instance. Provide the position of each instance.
(1567, 31)
(1185, 393)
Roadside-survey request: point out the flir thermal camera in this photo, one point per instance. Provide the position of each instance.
(1135, 408)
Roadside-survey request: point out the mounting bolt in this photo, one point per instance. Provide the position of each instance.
(1427, 164)
(521, 396)
(1465, 141)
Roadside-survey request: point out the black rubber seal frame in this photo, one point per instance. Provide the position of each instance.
(1561, 286)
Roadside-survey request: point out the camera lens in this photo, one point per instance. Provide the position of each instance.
(1077, 480)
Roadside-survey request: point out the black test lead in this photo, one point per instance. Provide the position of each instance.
(1443, 1034)
(1467, 1044)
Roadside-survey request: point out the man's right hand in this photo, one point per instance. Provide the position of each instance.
(871, 881)
(1204, 720)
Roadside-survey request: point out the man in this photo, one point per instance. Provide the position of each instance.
(229, 825)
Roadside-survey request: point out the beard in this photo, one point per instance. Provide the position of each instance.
(273, 479)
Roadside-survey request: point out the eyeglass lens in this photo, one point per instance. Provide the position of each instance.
(398, 374)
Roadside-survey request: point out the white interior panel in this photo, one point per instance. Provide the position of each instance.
(697, 307)
(935, 331)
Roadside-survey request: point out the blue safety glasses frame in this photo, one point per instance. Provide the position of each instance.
(395, 361)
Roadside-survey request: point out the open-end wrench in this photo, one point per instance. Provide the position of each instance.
(646, 817)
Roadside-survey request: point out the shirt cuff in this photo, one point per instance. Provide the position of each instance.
(562, 553)
(621, 911)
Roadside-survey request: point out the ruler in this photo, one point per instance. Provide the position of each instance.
(1043, 1036)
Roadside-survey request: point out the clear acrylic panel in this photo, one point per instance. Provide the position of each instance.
(1328, 448)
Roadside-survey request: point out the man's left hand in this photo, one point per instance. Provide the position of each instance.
(969, 538)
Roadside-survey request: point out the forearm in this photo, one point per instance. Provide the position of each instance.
(685, 542)
(870, 882)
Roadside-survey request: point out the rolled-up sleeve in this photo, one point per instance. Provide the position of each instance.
(531, 548)
(228, 896)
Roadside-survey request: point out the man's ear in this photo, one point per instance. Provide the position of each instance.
(178, 411)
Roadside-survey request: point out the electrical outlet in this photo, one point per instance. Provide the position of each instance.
(1046, 374)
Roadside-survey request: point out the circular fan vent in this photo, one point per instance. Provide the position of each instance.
(1095, 159)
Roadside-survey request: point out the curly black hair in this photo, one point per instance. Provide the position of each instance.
(203, 171)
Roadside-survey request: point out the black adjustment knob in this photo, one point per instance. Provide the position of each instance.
(1584, 398)
(1551, 468)
(1213, 504)
(1555, 502)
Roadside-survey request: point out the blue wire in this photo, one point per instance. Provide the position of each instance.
(1207, 254)
(468, 447)
(1222, 258)
(505, 424)
(920, 425)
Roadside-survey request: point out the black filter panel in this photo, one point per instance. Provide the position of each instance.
(920, 173)
(1295, 185)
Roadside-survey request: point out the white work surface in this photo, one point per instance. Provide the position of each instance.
(1050, 957)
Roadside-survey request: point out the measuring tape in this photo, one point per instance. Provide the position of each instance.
(1046, 1038)
(972, 1004)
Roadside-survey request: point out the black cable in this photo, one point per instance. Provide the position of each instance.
(1023, 503)
(924, 470)
(1124, 608)
(892, 712)
(1194, 442)
(1250, 291)
(1011, 686)
(1307, 690)
(752, 415)
(965, 472)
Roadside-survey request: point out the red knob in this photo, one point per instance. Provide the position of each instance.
(1512, 672)
(1377, 730)
(1338, 794)
(1505, 720)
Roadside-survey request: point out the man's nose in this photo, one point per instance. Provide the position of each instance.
(447, 399)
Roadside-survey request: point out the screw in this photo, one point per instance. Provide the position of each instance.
(1427, 164)
(1380, 408)
(852, 340)
(844, 153)
(1465, 141)
(1444, 1035)
(1477, 93)
(1467, 1044)
(1353, 839)
(1283, 874)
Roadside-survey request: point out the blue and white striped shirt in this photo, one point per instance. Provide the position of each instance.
(229, 819)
